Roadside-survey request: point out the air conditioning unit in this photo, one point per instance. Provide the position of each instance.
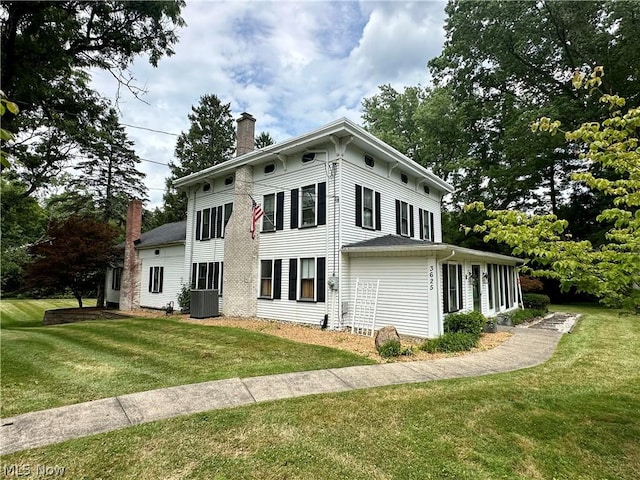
(204, 304)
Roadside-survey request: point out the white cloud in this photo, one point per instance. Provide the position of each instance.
(293, 65)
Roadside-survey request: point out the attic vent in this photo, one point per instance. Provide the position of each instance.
(228, 181)
(269, 168)
(308, 157)
(426, 190)
(404, 178)
(157, 252)
(368, 160)
(206, 187)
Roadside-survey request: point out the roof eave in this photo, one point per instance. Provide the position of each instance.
(430, 247)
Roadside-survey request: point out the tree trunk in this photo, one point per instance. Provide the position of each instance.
(100, 294)
(78, 297)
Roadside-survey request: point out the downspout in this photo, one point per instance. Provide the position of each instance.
(188, 240)
(438, 274)
(517, 274)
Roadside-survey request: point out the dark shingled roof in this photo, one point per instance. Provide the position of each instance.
(389, 241)
(165, 234)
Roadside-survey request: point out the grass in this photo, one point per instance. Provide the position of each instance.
(575, 417)
(45, 367)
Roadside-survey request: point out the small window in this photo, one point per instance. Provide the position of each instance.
(269, 208)
(228, 181)
(157, 252)
(307, 279)
(206, 187)
(155, 279)
(266, 278)
(269, 168)
(368, 160)
(404, 178)
(116, 278)
(308, 157)
(426, 189)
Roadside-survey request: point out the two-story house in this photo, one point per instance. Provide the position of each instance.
(340, 208)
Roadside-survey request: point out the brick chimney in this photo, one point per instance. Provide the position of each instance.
(130, 282)
(246, 133)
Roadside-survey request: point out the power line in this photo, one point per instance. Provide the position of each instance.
(150, 129)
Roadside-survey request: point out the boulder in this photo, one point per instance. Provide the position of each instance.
(385, 334)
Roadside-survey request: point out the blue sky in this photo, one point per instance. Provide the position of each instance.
(293, 65)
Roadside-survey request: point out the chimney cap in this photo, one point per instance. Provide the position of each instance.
(246, 116)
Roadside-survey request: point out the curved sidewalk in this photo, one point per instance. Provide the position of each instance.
(526, 348)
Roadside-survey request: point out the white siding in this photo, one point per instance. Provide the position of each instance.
(403, 299)
(110, 295)
(172, 259)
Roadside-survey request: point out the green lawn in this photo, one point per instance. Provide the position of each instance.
(50, 366)
(575, 417)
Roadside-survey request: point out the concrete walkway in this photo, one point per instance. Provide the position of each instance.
(526, 348)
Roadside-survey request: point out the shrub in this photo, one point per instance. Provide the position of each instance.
(450, 342)
(390, 348)
(537, 301)
(520, 316)
(530, 284)
(184, 298)
(471, 322)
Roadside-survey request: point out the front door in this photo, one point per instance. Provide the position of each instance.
(475, 278)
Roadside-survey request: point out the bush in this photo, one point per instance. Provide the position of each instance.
(530, 284)
(184, 298)
(536, 301)
(471, 322)
(450, 342)
(390, 348)
(520, 316)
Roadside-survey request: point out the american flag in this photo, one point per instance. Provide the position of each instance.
(257, 213)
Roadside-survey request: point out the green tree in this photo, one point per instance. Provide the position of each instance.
(264, 139)
(610, 271)
(209, 141)
(505, 63)
(74, 254)
(110, 170)
(47, 49)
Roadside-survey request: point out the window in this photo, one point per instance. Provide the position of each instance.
(404, 219)
(367, 208)
(452, 287)
(426, 189)
(116, 278)
(228, 181)
(308, 205)
(207, 276)
(205, 233)
(155, 279)
(266, 278)
(308, 157)
(269, 168)
(228, 210)
(427, 227)
(206, 187)
(269, 208)
(404, 178)
(307, 278)
(368, 160)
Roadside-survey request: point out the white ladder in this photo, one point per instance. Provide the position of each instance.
(365, 304)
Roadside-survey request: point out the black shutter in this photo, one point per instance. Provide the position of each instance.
(411, 229)
(322, 203)
(378, 212)
(421, 224)
(460, 296)
(294, 209)
(358, 206)
(277, 279)
(214, 216)
(198, 222)
(151, 278)
(221, 278)
(210, 272)
(445, 287)
(219, 219)
(280, 211)
(293, 278)
(398, 230)
(433, 228)
(160, 281)
(321, 279)
(194, 275)
(216, 275)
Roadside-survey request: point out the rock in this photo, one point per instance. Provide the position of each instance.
(385, 334)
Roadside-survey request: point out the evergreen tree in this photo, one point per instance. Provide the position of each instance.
(264, 140)
(209, 141)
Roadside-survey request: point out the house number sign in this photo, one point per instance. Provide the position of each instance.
(431, 277)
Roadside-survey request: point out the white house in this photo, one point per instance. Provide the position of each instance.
(340, 207)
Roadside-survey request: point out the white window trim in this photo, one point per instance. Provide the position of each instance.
(404, 208)
(426, 225)
(315, 206)
(269, 217)
(300, 278)
(373, 208)
(260, 295)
